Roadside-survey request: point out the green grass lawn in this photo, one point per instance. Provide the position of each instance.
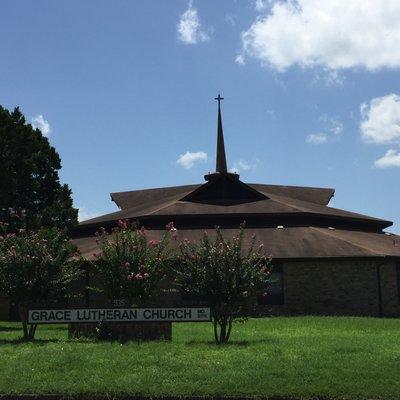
(336, 357)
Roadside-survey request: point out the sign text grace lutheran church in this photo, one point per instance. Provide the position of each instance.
(87, 315)
(326, 260)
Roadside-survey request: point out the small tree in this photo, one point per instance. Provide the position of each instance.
(130, 266)
(223, 274)
(36, 267)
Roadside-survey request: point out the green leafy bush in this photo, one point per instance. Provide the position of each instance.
(36, 267)
(129, 265)
(224, 274)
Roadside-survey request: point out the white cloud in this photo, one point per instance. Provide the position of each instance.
(317, 138)
(329, 77)
(336, 128)
(332, 128)
(243, 165)
(83, 214)
(380, 122)
(189, 27)
(260, 5)
(390, 159)
(188, 159)
(333, 125)
(333, 34)
(40, 123)
(239, 59)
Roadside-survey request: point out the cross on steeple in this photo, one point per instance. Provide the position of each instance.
(219, 98)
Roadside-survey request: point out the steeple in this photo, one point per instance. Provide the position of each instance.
(223, 187)
(221, 168)
(221, 157)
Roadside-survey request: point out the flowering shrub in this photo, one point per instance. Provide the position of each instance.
(223, 274)
(35, 267)
(130, 266)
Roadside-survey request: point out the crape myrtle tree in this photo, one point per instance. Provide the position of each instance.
(224, 274)
(36, 267)
(29, 181)
(129, 265)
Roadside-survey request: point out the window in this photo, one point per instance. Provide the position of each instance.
(274, 289)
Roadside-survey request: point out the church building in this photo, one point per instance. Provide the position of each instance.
(326, 261)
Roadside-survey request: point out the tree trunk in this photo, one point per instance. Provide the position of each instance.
(224, 323)
(23, 316)
(216, 337)
(32, 331)
(28, 329)
(228, 334)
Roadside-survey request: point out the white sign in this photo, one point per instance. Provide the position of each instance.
(118, 315)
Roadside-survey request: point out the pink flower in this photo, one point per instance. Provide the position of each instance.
(129, 278)
(170, 226)
(142, 230)
(123, 224)
(127, 265)
(138, 276)
(154, 242)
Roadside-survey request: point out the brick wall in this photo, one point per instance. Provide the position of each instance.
(390, 289)
(320, 287)
(339, 288)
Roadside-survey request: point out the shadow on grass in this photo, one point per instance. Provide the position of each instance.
(233, 343)
(21, 340)
(57, 328)
(9, 328)
(5, 328)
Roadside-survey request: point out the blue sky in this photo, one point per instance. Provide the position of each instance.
(124, 89)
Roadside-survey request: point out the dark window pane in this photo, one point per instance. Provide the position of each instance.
(274, 290)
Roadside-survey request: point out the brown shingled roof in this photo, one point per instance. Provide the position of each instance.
(291, 243)
(136, 197)
(274, 206)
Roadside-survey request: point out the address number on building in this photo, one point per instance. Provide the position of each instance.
(85, 315)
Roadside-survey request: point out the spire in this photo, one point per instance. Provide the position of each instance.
(221, 157)
(221, 170)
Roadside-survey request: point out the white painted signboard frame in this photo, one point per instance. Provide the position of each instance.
(93, 315)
